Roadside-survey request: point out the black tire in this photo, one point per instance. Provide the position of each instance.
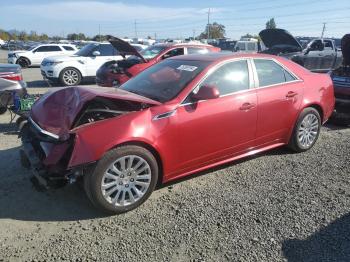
(76, 76)
(23, 62)
(94, 179)
(294, 142)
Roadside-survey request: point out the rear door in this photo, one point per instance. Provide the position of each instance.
(279, 95)
(218, 128)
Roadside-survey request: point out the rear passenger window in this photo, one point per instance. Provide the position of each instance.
(68, 48)
(271, 73)
(229, 78)
(196, 50)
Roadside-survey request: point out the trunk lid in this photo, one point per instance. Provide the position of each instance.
(280, 39)
(124, 48)
(56, 111)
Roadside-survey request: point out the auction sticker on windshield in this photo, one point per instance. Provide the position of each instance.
(187, 68)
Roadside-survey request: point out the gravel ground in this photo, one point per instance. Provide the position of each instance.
(277, 206)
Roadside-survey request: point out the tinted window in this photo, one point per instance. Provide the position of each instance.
(53, 48)
(106, 50)
(41, 49)
(174, 52)
(270, 73)
(317, 45)
(328, 45)
(68, 48)
(230, 78)
(196, 50)
(164, 81)
(87, 50)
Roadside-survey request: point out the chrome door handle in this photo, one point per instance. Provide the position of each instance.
(247, 106)
(291, 94)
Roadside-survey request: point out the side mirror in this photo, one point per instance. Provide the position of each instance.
(206, 92)
(96, 53)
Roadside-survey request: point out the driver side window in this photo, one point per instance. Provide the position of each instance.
(229, 78)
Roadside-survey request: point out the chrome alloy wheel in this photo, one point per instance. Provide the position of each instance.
(70, 77)
(126, 180)
(308, 130)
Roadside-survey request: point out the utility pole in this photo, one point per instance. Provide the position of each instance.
(194, 34)
(208, 33)
(155, 36)
(135, 25)
(323, 30)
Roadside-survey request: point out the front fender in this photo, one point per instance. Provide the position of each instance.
(92, 141)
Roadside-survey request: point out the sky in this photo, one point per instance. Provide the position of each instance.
(174, 19)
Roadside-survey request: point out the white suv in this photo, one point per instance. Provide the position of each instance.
(35, 55)
(71, 70)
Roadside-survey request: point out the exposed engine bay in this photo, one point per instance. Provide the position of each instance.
(102, 108)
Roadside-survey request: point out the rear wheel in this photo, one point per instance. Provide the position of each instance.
(122, 180)
(306, 130)
(70, 77)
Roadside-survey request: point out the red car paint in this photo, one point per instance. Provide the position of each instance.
(199, 135)
(106, 77)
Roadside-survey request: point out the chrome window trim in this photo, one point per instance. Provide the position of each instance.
(250, 74)
(297, 79)
(42, 130)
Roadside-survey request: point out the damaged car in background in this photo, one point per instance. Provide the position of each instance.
(341, 82)
(180, 116)
(114, 73)
(320, 55)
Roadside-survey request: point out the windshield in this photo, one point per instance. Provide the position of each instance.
(152, 51)
(164, 81)
(86, 50)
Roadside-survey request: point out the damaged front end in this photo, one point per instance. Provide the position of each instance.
(49, 134)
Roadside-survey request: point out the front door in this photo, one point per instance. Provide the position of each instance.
(218, 128)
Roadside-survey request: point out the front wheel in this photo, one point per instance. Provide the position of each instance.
(70, 77)
(23, 62)
(306, 130)
(122, 180)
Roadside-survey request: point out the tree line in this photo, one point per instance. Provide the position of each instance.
(212, 31)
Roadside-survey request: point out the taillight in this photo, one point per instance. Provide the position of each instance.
(12, 76)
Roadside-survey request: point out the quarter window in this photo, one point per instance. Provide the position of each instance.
(229, 78)
(271, 73)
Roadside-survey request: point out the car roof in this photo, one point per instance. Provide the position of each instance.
(212, 57)
(183, 44)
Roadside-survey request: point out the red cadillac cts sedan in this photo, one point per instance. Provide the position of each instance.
(178, 117)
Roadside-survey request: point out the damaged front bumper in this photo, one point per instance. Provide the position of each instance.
(47, 157)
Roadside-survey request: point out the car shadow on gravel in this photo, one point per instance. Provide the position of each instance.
(19, 199)
(331, 243)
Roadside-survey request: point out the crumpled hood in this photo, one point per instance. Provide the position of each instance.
(56, 111)
(278, 37)
(124, 47)
(345, 48)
